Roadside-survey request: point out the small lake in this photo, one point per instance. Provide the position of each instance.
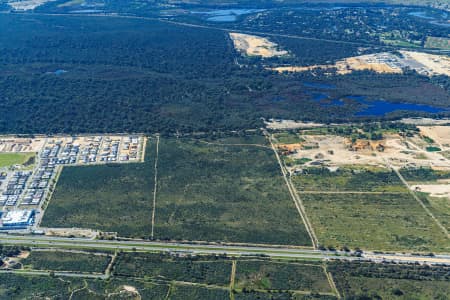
(435, 20)
(86, 11)
(372, 107)
(57, 72)
(319, 85)
(383, 107)
(226, 15)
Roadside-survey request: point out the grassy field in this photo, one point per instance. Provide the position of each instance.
(9, 159)
(437, 43)
(376, 222)
(165, 267)
(439, 207)
(271, 275)
(66, 261)
(28, 287)
(224, 193)
(390, 281)
(183, 292)
(114, 198)
(424, 175)
(288, 137)
(205, 191)
(15, 287)
(368, 179)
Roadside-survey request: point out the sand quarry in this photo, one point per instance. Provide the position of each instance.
(253, 45)
(335, 151)
(385, 62)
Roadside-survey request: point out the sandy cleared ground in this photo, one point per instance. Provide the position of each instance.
(440, 134)
(372, 62)
(253, 45)
(27, 5)
(335, 151)
(425, 121)
(21, 145)
(291, 124)
(436, 64)
(385, 62)
(365, 62)
(435, 190)
(130, 288)
(70, 232)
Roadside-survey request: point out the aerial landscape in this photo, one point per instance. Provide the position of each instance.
(224, 149)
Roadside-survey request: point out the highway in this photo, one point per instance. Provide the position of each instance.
(218, 249)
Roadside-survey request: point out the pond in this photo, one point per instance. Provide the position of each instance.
(225, 15)
(382, 107)
(371, 107)
(439, 20)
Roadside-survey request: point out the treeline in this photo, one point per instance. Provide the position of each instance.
(148, 76)
(393, 271)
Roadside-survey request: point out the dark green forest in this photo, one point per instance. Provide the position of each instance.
(73, 74)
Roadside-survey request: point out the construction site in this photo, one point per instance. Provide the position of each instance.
(429, 149)
(386, 62)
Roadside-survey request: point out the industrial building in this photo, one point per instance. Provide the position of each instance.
(16, 219)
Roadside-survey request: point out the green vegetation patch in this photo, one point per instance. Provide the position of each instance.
(422, 175)
(10, 159)
(373, 221)
(288, 138)
(224, 193)
(268, 275)
(433, 149)
(184, 292)
(114, 198)
(389, 281)
(66, 261)
(275, 295)
(437, 43)
(208, 270)
(367, 179)
(17, 286)
(14, 286)
(439, 207)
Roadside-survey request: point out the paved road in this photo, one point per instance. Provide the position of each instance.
(271, 251)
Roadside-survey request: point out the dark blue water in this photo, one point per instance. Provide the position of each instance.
(442, 21)
(278, 99)
(86, 11)
(382, 107)
(319, 96)
(226, 15)
(318, 85)
(59, 72)
(375, 107)
(421, 14)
